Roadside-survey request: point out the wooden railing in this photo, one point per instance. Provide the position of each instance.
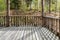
(22, 20)
(25, 20)
(53, 24)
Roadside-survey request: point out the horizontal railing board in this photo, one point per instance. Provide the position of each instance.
(51, 17)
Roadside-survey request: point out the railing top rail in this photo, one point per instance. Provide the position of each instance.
(24, 15)
(21, 15)
(32, 16)
(51, 17)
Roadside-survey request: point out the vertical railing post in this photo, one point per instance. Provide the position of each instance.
(8, 11)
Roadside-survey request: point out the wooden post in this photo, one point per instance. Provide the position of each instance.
(42, 5)
(8, 11)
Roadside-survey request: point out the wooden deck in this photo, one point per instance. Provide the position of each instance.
(26, 33)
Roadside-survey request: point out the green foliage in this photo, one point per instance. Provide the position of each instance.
(54, 5)
(15, 4)
(2, 5)
(27, 4)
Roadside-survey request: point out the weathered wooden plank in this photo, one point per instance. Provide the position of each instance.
(26, 33)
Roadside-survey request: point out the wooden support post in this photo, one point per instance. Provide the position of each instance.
(8, 11)
(42, 5)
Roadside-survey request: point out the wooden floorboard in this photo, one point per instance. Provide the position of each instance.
(26, 33)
